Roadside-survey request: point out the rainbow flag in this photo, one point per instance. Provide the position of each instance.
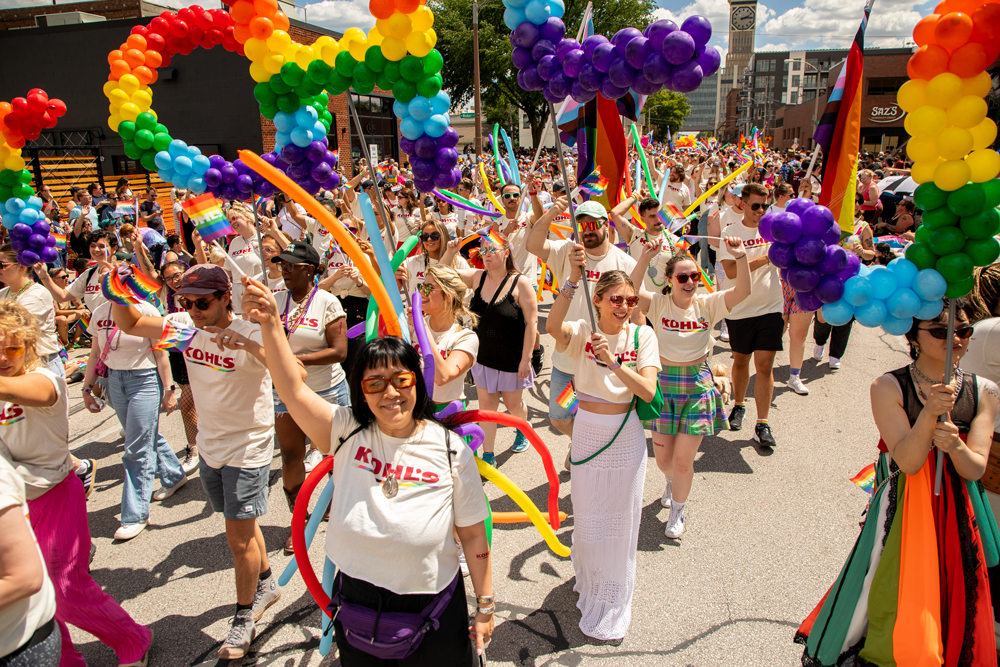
(60, 240)
(866, 478)
(85, 321)
(594, 184)
(178, 338)
(141, 285)
(567, 399)
(115, 291)
(128, 206)
(490, 235)
(207, 215)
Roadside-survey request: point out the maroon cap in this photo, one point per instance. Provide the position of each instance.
(203, 279)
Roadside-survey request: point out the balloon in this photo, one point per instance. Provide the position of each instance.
(912, 95)
(953, 143)
(604, 56)
(927, 121)
(923, 149)
(858, 290)
(984, 134)
(764, 226)
(636, 52)
(656, 32)
(983, 252)
(786, 228)
(699, 28)
(982, 225)
(810, 250)
(943, 90)
(905, 271)
(687, 77)
(967, 200)
(656, 69)
(709, 60)
(799, 206)
(553, 29)
(897, 326)
(929, 285)
(967, 112)
(678, 47)
(921, 255)
(953, 30)
(838, 313)
(883, 282)
(782, 255)
(803, 278)
(954, 267)
(929, 310)
(871, 314)
(903, 303)
(960, 288)
(946, 240)
(808, 301)
(830, 289)
(984, 165)
(952, 175)
(835, 260)
(816, 220)
(929, 61)
(852, 269)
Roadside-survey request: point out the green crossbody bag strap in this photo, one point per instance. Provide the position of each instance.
(651, 410)
(613, 438)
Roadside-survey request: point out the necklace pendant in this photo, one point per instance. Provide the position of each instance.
(651, 272)
(390, 487)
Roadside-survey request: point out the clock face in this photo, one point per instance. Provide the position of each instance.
(743, 18)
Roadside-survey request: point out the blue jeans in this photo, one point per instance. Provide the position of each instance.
(338, 394)
(557, 383)
(53, 362)
(135, 397)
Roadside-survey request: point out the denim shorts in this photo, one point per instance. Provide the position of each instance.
(556, 386)
(239, 493)
(338, 394)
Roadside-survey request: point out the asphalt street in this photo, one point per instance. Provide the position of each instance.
(766, 534)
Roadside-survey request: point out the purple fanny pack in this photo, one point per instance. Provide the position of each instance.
(388, 635)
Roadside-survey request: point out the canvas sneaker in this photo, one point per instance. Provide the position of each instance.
(795, 384)
(190, 461)
(128, 531)
(834, 363)
(268, 592)
(665, 501)
(241, 634)
(675, 525)
(313, 458)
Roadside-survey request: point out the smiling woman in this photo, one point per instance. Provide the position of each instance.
(36, 300)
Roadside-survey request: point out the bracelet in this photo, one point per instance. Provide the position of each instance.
(485, 599)
(532, 192)
(567, 293)
(88, 390)
(615, 366)
(488, 611)
(567, 283)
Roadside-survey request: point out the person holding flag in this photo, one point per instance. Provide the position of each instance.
(652, 232)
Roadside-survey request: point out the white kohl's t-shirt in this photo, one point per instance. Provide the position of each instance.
(657, 265)
(416, 269)
(246, 255)
(87, 286)
(345, 286)
(765, 284)
(404, 543)
(591, 377)
(34, 440)
(686, 335)
(455, 339)
(309, 333)
(38, 301)
(124, 352)
(526, 263)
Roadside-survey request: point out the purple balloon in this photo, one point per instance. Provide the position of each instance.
(852, 268)
(279, 164)
(423, 170)
(264, 189)
(332, 182)
(834, 261)
(547, 67)
(656, 69)
(553, 29)
(799, 206)
(17, 245)
(407, 145)
(678, 47)
(810, 250)
(644, 86)
(786, 228)
(320, 172)
(245, 184)
(604, 56)
(442, 179)
(623, 37)
(764, 227)
(217, 161)
(48, 255)
(291, 153)
(525, 35)
(590, 44)
(657, 31)
(551, 95)
(590, 79)
(709, 60)
(28, 258)
(803, 278)
(308, 184)
(833, 235)
(621, 74)
(559, 85)
(315, 151)
(521, 57)
(299, 171)
(808, 301)
(573, 62)
(21, 231)
(816, 220)
(266, 157)
(229, 174)
(41, 227)
(581, 94)
(565, 46)
(700, 29)
(240, 167)
(36, 241)
(782, 255)
(331, 158)
(50, 240)
(830, 289)
(610, 90)
(636, 52)
(425, 147)
(449, 139)
(687, 77)
(542, 48)
(446, 159)
(423, 185)
(532, 81)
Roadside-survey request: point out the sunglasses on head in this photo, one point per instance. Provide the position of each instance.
(682, 278)
(200, 304)
(511, 195)
(426, 289)
(617, 300)
(433, 236)
(590, 226)
(941, 333)
(378, 384)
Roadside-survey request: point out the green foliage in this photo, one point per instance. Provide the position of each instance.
(666, 109)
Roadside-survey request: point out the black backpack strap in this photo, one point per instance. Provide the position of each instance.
(447, 446)
(348, 437)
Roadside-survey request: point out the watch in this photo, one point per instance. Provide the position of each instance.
(172, 387)
(615, 366)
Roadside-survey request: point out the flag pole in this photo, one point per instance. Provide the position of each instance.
(260, 245)
(576, 226)
(939, 473)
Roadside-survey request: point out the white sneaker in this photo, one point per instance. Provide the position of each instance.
(834, 363)
(462, 563)
(675, 528)
(795, 384)
(724, 333)
(667, 492)
(165, 492)
(313, 458)
(190, 461)
(127, 532)
(818, 353)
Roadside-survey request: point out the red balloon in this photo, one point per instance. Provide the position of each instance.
(13, 123)
(19, 107)
(14, 140)
(186, 15)
(203, 19)
(57, 108)
(969, 60)
(37, 103)
(166, 57)
(155, 42)
(168, 15)
(195, 34)
(37, 91)
(48, 120)
(158, 26)
(221, 19)
(179, 29)
(139, 30)
(986, 21)
(929, 61)
(216, 35)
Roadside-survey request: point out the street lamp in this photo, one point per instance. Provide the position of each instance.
(809, 64)
(475, 77)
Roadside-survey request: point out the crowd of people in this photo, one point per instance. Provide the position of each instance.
(636, 314)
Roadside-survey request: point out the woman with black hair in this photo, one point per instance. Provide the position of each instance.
(402, 482)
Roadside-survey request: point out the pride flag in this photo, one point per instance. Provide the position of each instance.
(490, 235)
(178, 338)
(60, 240)
(128, 206)
(567, 399)
(114, 290)
(207, 215)
(866, 478)
(594, 184)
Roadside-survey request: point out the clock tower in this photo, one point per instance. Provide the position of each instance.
(742, 25)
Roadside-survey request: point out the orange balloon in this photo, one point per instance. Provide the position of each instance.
(144, 74)
(969, 60)
(120, 68)
(941, 8)
(136, 41)
(261, 27)
(929, 61)
(280, 21)
(382, 9)
(953, 30)
(134, 57)
(113, 56)
(986, 21)
(241, 33)
(153, 59)
(923, 32)
(265, 8)
(407, 6)
(154, 75)
(242, 11)
(4, 109)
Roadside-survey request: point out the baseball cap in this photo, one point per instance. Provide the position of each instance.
(736, 190)
(203, 279)
(558, 186)
(593, 209)
(298, 253)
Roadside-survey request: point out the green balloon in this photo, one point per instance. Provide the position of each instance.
(292, 74)
(126, 130)
(411, 68)
(991, 189)
(982, 251)
(404, 91)
(264, 93)
(146, 121)
(269, 111)
(391, 73)
(967, 199)
(5, 193)
(383, 83)
(8, 178)
(161, 141)
(288, 102)
(278, 85)
(319, 71)
(143, 139)
(983, 225)
(374, 59)
(960, 288)
(929, 196)
(954, 267)
(946, 240)
(363, 76)
(363, 88)
(24, 176)
(345, 64)
(430, 86)
(939, 217)
(337, 82)
(160, 128)
(22, 191)
(433, 62)
(133, 151)
(147, 160)
(921, 255)
(308, 89)
(923, 234)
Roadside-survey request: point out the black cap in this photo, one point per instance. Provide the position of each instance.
(298, 252)
(367, 183)
(558, 186)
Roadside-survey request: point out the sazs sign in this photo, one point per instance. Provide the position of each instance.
(887, 114)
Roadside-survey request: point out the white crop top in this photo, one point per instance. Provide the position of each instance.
(591, 377)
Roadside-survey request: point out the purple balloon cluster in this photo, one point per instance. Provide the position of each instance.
(804, 246)
(433, 160)
(663, 56)
(33, 243)
(313, 167)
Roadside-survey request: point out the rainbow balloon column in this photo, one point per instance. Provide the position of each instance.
(23, 119)
(950, 141)
(662, 56)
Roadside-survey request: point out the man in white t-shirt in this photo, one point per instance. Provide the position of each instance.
(677, 192)
(516, 227)
(87, 286)
(783, 194)
(637, 239)
(601, 256)
(756, 325)
(467, 220)
(235, 443)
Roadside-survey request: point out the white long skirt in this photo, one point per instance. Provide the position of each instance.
(607, 508)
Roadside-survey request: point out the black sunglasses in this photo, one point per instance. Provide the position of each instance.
(757, 207)
(682, 278)
(941, 333)
(433, 236)
(200, 304)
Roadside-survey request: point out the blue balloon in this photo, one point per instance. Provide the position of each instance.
(929, 285)
(284, 122)
(872, 314)
(196, 184)
(35, 203)
(182, 166)
(897, 326)
(14, 205)
(557, 7)
(319, 131)
(838, 313)
(420, 108)
(301, 137)
(929, 310)
(177, 148)
(436, 125)
(281, 139)
(193, 152)
(400, 109)
(441, 102)
(857, 291)
(163, 160)
(411, 128)
(904, 269)
(200, 164)
(864, 270)
(537, 11)
(9, 221)
(903, 303)
(306, 116)
(166, 175)
(513, 17)
(514, 3)
(180, 180)
(28, 216)
(883, 282)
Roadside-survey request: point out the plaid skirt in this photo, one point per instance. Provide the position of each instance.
(691, 403)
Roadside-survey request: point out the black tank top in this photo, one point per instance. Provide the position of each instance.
(966, 405)
(501, 327)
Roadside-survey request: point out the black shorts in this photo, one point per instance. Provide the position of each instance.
(178, 367)
(762, 332)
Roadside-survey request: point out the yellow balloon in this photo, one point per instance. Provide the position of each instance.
(358, 47)
(114, 121)
(258, 73)
(984, 165)
(146, 89)
(383, 27)
(927, 121)
(256, 49)
(984, 134)
(978, 85)
(912, 95)
(954, 143)
(329, 53)
(923, 172)
(273, 62)
(922, 149)
(155, 115)
(375, 36)
(398, 26)
(279, 41)
(944, 90)
(421, 43)
(109, 86)
(423, 18)
(14, 163)
(952, 175)
(113, 109)
(291, 52)
(393, 49)
(324, 40)
(129, 83)
(349, 35)
(142, 99)
(118, 97)
(129, 111)
(5, 152)
(305, 56)
(968, 112)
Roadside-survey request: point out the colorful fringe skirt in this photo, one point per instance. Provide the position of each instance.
(914, 589)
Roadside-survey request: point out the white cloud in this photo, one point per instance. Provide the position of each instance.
(340, 15)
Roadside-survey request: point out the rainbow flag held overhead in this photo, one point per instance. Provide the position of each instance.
(594, 184)
(567, 399)
(176, 337)
(866, 478)
(206, 213)
(141, 285)
(115, 291)
(490, 235)
(128, 206)
(60, 240)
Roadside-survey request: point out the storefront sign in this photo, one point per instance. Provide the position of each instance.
(886, 114)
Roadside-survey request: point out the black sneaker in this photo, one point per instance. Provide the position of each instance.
(762, 434)
(736, 417)
(536, 359)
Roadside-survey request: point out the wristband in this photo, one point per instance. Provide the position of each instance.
(88, 390)
(570, 285)
(487, 611)
(615, 366)
(485, 599)
(533, 192)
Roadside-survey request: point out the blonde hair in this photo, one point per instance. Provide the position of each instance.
(511, 268)
(440, 228)
(453, 286)
(215, 255)
(16, 322)
(8, 254)
(126, 229)
(243, 210)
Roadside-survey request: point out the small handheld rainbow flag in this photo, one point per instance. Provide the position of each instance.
(866, 478)
(207, 215)
(178, 338)
(594, 184)
(60, 240)
(128, 206)
(115, 291)
(567, 399)
(490, 235)
(141, 285)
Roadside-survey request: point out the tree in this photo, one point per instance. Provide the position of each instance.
(453, 25)
(666, 109)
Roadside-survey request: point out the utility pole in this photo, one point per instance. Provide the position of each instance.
(475, 77)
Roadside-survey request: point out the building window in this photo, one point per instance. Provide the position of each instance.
(885, 85)
(786, 66)
(810, 80)
(774, 64)
(784, 98)
(761, 66)
(796, 65)
(793, 97)
(796, 81)
(809, 95)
